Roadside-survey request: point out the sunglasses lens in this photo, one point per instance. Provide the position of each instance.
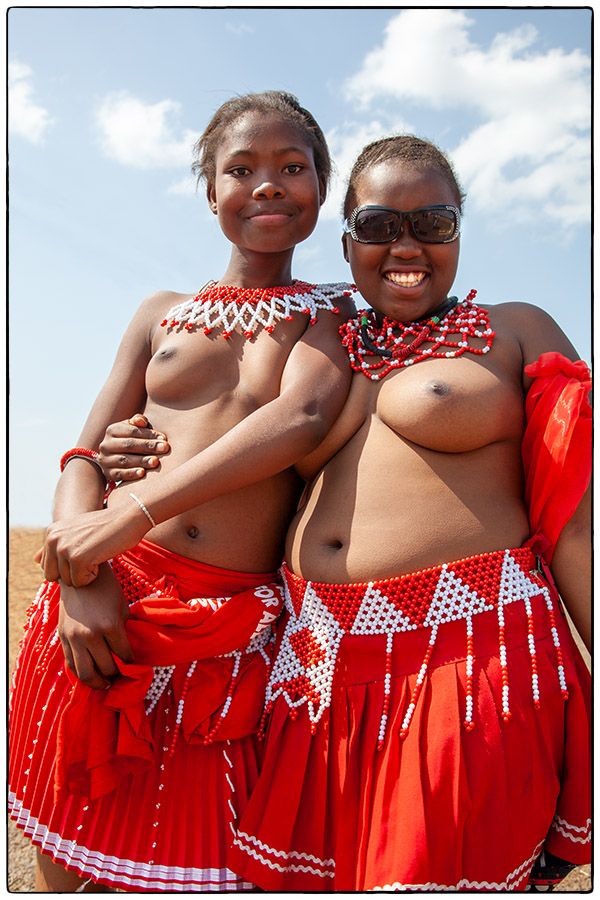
(377, 226)
(434, 225)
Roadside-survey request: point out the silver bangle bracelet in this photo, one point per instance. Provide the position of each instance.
(143, 508)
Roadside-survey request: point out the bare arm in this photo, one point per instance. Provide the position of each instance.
(91, 621)
(572, 568)
(313, 389)
(81, 487)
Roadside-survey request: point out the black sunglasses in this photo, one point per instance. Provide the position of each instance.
(381, 224)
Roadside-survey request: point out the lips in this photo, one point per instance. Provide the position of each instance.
(266, 212)
(270, 218)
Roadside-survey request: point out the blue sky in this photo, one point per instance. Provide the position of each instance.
(104, 105)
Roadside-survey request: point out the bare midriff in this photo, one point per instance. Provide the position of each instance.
(199, 387)
(438, 475)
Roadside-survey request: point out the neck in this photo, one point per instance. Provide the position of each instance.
(440, 311)
(257, 270)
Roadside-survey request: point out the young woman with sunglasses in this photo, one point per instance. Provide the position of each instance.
(428, 710)
(140, 785)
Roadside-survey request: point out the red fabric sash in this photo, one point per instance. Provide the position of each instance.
(556, 447)
(104, 735)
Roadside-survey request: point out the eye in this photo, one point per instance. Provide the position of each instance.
(293, 168)
(239, 171)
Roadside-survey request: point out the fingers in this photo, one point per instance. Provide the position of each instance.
(119, 644)
(140, 421)
(38, 556)
(81, 662)
(49, 564)
(81, 575)
(129, 467)
(87, 672)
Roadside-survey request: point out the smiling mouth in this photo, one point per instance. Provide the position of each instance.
(406, 279)
(278, 218)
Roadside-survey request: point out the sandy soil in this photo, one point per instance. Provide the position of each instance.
(23, 581)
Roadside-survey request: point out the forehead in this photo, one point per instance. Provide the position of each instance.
(403, 185)
(263, 132)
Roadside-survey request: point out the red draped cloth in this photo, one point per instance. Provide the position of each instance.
(139, 787)
(556, 447)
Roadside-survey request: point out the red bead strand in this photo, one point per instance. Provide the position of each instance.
(403, 340)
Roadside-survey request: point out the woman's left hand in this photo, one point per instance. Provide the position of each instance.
(74, 548)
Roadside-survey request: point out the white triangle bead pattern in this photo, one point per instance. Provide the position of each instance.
(378, 616)
(317, 633)
(327, 633)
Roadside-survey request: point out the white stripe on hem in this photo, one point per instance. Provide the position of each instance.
(509, 884)
(123, 871)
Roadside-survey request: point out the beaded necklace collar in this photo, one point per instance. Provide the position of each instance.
(228, 308)
(377, 348)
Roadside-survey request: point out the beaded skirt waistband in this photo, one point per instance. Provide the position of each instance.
(322, 614)
(442, 593)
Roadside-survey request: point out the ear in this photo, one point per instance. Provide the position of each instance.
(345, 246)
(322, 191)
(212, 198)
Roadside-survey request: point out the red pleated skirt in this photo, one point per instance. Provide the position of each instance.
(166, 829)
(428, 732)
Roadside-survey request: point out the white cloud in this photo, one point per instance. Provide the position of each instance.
(185, 187)
(239, 28)
(532, 107)
(143, 135)
(26, 117)
(345, 143)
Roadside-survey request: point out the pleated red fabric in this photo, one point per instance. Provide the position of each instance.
(428, 732)
(147, 793)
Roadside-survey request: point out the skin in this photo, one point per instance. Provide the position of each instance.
(239, 413)
(452, 428)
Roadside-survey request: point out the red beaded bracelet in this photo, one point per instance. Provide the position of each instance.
(82, 452)
(93, 456)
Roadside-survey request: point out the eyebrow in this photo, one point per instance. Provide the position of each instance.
(282, 152)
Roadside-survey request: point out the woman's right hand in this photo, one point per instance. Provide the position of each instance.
(129, 448)
(91, 624)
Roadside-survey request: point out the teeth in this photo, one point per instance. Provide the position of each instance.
(407, 279)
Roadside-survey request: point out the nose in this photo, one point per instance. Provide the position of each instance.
(406, 245)
(267, 190)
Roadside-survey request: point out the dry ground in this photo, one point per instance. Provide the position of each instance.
(23, 581)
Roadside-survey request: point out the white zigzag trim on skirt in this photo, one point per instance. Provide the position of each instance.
(509, 884)
(122, 871)
(565, 828)
(273, 865)
(296, 854)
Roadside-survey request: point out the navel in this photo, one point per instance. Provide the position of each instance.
(334, 544)
(193, 532)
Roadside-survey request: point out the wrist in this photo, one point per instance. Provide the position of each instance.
(90, 456)
(143, 510)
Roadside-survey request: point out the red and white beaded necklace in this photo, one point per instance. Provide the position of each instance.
(376, 348)
(227, 307)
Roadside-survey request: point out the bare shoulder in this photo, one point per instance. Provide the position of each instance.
(152, 311)
(534, 329)
(162, 301)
